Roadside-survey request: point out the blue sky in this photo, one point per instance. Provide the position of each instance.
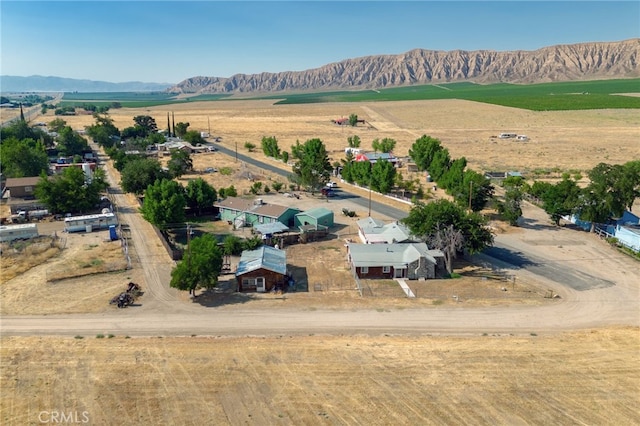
(169, 41)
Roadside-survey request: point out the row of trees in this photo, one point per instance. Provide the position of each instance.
(611, 190)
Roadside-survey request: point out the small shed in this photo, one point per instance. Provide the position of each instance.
(23, 187)
(262, 270)
(319, 218)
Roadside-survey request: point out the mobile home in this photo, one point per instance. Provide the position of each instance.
(90, 223)
(25, 231)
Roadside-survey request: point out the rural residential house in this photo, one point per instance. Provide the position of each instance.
(262, 270)
(386, 261)
(242, 212)
(373, 157)
(374, 231)
(21, 187)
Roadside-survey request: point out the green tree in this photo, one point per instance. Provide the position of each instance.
(385, 145)
(511, 207)
(475, 188)
(285, 157)
(70, 142)
(164, 203)
(277, 186)
(424, 220)
(353, 120)
(200, 195)
(69, 192)
(250, 146)
(139, 173)
(181, 129)
(628, 183)
(145, 124)
(440, 164)
(232, 245)
(103, 132)
(270, 146)
(22, 158)
(560, 199)
(424, 150)
(383, 175)
(193, 137)
(180, 162)
(602, 198)
(312, 169)
(354, 141)
(57, 124)
(200, 266)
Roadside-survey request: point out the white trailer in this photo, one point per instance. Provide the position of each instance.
(25, 231)
(90, 223)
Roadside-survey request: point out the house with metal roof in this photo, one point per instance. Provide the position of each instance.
(386, 261)
(374, 231)
(242, 212)
(262, 270)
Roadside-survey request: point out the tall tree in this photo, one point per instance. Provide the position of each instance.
(383, 175)
(180, 162)
(353, 120)
(21, 113)
(270, 146)
(424, 219)
(601, 199)
(23, 158)
(558, 200)
(312, 167)
(139, 173)
(69, 192)
(423, 151)
(385, 145)
(146, 124)
(200, 195)
(475, 191)
(164, 203)
(449, 240)
(200, 266)
(70, 142)
(354, 141)
(181, 129)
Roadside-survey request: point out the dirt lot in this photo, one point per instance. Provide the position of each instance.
(587, 377)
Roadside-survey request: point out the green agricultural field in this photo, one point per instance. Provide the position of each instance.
(575, 95)
(125, 99)
(600, 94)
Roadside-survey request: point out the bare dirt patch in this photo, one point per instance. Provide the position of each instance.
(587, 377)
(79, 275)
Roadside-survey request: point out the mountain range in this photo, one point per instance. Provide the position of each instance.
(38, 83)
(570, 62)
(583, 61)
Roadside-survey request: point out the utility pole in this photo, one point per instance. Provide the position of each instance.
(191, 290)
(209, 125)
(369, 195)
(236, 151)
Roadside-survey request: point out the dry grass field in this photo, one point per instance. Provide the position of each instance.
(567, 140)
(587, 377)
(582, 377)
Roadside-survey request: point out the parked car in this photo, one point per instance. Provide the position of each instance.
(332, 185)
